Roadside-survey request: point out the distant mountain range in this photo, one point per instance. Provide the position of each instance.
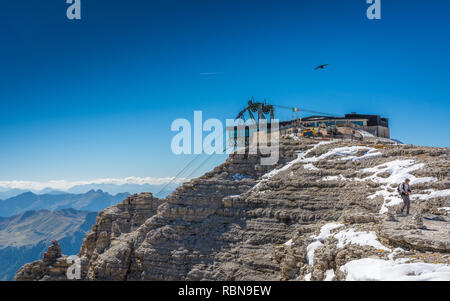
(131, 188)
(24, 237)
(6, 193)
(93, 200)
(9, 193)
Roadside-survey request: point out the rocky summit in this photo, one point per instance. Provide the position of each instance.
(328, 211)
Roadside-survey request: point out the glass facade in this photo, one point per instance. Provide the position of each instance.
(361, 123)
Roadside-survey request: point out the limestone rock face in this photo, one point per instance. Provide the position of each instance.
(432, 236)
(326, 203)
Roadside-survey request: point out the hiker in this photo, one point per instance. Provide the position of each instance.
(405, 190)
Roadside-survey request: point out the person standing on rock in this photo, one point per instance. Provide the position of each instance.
(405, 190)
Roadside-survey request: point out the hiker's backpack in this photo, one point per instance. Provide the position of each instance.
(399, 190)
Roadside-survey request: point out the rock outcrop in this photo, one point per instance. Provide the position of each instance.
(53, 266)
(325, 205)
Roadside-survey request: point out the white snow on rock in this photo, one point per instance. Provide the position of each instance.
(308, 277)
(370, 269)
(365, 134)
(432, 194)
(325, 232)
(386, 140)
(398, 171)
(288, 243)
(368, 155)
(375, 269)
(310, 166)
(295, 137)
(347, 153)
(235, 196)
(334, 178)
(444, 208)
(310, 249)
(351, 236)
(300, 158)
(395, 252)
(345, 237)
(329, 275)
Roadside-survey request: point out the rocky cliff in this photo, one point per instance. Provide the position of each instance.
(328, 211)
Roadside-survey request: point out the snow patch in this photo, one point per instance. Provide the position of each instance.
(395, 252)
(351, 236)
(370, 269)
(329, 275)
(325, 232)
(288, 243)
(310, 249)
(368, 155)
(308, 277)
(398, 171)
(347, 153)
(295, 137)
(365, 134)
(300, 158)
(432, 194)
(344, 237)
(310, 166)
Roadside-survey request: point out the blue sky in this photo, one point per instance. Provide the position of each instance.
(95, 98)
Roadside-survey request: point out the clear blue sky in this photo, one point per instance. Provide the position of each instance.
(95, 98)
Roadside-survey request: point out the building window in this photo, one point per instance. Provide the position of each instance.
(360, 123)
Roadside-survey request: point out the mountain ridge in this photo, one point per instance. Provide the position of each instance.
(320, 213)
(132, 188)
(93, 200)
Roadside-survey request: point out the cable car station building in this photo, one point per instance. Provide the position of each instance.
(351, 125)
(373, 124)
